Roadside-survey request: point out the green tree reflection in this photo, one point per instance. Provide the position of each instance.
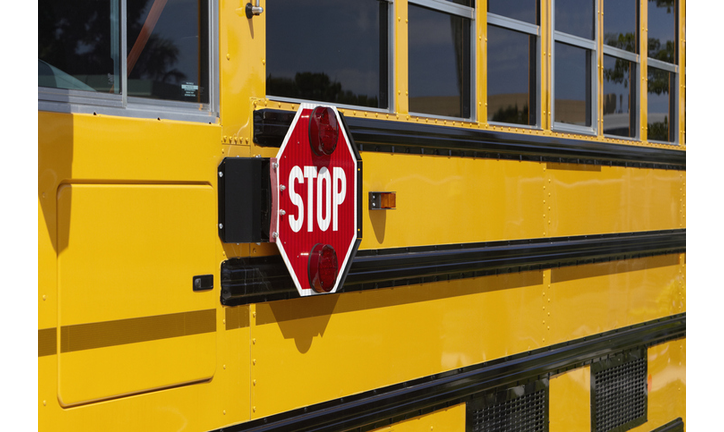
(78, 38)
(512, 114)
(159, 56)
(669, 4)
(316, 86)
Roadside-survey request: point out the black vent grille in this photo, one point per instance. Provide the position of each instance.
(518, 409)
(619, 391)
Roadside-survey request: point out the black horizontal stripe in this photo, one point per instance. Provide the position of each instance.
(270, 127)
(47, 341)
(453, 387)
(251, 280)
(133, 330)
(672, 426)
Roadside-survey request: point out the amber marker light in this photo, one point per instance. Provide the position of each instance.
(323, 268)
(323, 131)
(383, 200)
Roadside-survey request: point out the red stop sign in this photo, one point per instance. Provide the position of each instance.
(315, 182)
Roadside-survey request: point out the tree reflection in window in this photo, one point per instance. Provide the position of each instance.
(317, 86)
(77, 45)
(662, 30)
(661, 106)
(328, 50)
(619, 95)
(168, 49)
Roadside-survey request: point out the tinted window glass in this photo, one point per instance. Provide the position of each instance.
(511, 76)
(575, 17)
(661, 105)
(79, 45)
(573, 85)
(662, 30)
(439, 63)
(619, 97)
(620, 24)
(470, 3)
(328, 50)
(523, 10)
(168, 50)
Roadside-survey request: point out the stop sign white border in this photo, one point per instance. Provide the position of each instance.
(342, 272)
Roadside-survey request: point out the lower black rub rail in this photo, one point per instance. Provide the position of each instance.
(672, 426)
(252, 280)
(438, 391)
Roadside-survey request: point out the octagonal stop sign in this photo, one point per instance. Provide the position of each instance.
(316, 200)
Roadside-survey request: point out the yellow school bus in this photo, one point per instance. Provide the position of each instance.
(520, 256)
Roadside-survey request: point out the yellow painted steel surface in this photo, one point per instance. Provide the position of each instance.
(595, 298)
(667, 384)
(162, 235)
(127, 216)
(446, 419)
(324, 348)
(570, 401)
(443, 200)
(589, 199)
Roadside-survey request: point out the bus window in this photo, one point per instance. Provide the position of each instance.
(521, 10)
(439, 61)
(619, 96)
(620, 24)
(662, 30)
(660, 109)
(342, 58)
(168, 50)
(574, 54)
(620, 68)
(82, 64)
(662, 70)
(512, 62)
(575, 17)
(78, 45)
(573, 85)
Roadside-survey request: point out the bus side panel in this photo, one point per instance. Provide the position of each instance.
(127, 217)
(570, 401)
(667, 384)
(310, 350)
(588, 299)
(447, 419)
(130, 318)
(467, 200)
(594, 199)
(442, 200)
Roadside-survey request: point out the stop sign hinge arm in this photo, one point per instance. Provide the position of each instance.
(274, 209)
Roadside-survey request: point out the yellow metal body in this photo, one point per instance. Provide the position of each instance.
(448, 419)
(127, 214)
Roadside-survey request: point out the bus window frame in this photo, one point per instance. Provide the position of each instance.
(633, 57)
(674, 69)
(531, 30)
(636, 59)
(673, 97)
(122, 105)
(391, 69)
(577, 42)
(466, 12)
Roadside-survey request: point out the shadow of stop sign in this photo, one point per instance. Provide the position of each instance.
(316, 200)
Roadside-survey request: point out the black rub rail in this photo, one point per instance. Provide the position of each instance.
(253, 280)
(270, 127)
